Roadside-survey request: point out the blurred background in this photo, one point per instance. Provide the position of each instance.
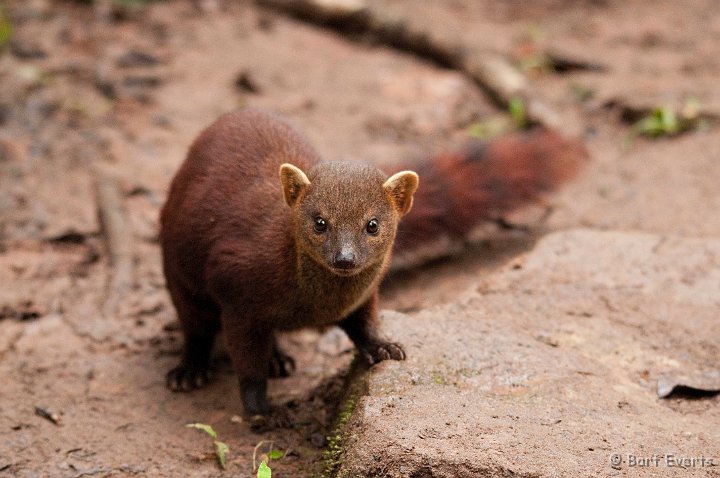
(99, 101)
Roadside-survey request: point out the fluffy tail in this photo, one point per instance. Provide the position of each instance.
(482, 183)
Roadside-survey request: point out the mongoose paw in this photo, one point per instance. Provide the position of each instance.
(253, 393)
(277, 418)
(378, 351)
(185, 378)
(281, 364)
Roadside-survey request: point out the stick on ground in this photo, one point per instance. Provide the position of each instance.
(117, 233)
(501, 81)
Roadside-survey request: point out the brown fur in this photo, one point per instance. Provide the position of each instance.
(238, 258)
(259, 235)
(485, 181)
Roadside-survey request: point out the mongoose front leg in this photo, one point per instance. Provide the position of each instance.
(250, 347)
(361, 326)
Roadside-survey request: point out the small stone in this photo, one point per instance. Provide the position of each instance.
(318, 439)
(136, 58)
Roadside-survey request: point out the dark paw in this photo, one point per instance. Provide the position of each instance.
(281, 365)
(253, 393)
(379, 351)
(277, 418)
(185, 378)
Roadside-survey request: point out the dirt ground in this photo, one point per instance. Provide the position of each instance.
(106, 89)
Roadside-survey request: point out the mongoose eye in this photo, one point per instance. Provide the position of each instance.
(372, 227)
(320, 225)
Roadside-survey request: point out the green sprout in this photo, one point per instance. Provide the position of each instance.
(275, 454)
(221, 449)
(491, 127)
(666, 121)
(662, 121)
(518, 112)
(6, 28)
(500, 124)
(264, 471)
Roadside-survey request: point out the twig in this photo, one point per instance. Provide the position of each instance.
(255, 451)
(341, 12)
(493, 73)
(564, 62)
(47, 415)
(92, 471)
(118, 237)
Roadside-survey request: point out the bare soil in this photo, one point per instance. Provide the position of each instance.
(89, 90)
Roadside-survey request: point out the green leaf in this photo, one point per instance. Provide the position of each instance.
(661, 121)
(206, 428)
(264, 471)
(516, 106)
(669, 120)
(275, 454)
(6, 28)
(491, 127)
(221, 450)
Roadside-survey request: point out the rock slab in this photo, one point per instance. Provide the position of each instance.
(549, 368)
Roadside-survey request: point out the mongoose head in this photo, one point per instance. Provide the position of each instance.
(346, 213)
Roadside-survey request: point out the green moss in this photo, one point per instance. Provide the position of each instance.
(335, 450)
(438, 378)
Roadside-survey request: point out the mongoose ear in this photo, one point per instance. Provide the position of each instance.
(294, 181)
(401, 187)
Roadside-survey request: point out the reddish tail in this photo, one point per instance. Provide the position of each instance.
(460, 191)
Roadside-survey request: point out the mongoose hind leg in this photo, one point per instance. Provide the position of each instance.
(200, 324)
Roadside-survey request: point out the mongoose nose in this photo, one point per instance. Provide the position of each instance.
(345, 259)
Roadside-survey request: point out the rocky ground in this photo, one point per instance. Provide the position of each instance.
(529, 355)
